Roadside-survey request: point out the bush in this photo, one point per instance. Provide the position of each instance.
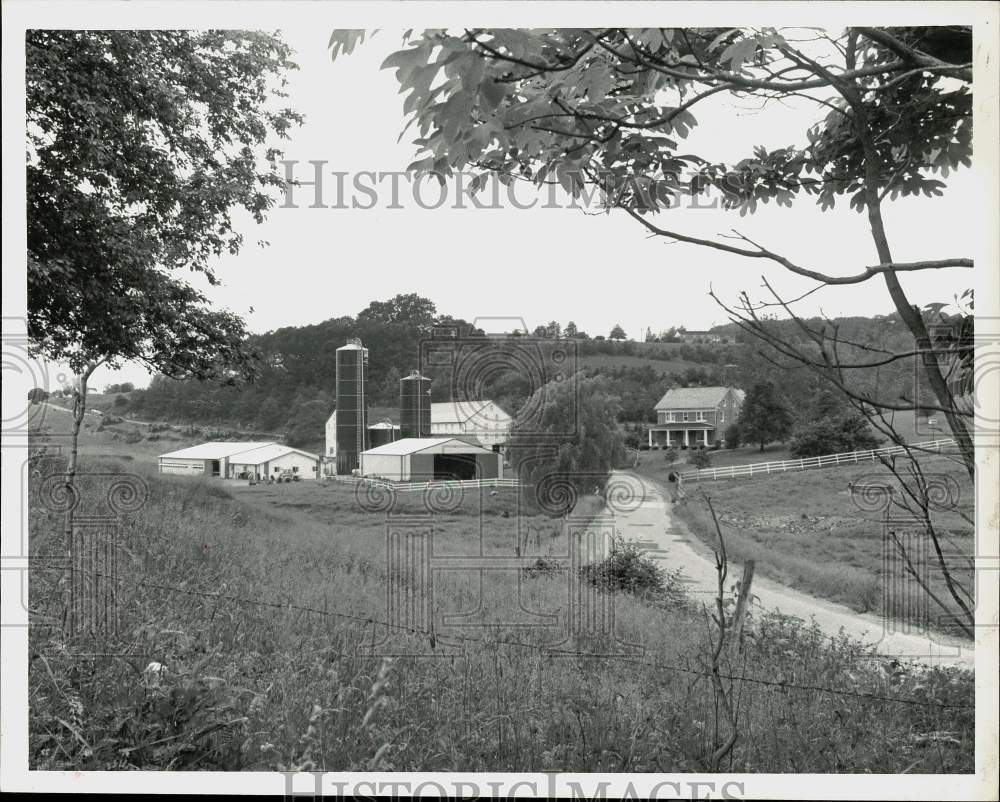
(671, 454)
(833, 436)
(627, 567)
(733, 436)
(700, 459)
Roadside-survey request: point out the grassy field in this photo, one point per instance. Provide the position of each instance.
(805, 530)
(259, 604)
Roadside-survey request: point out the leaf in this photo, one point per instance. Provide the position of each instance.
(492, 93)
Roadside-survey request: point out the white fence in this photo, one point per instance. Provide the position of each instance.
(825, 461)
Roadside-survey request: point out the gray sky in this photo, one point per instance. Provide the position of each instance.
(545, 264)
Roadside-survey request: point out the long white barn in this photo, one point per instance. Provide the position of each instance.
(240, 460)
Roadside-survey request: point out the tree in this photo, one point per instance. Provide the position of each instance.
(404, 308)
(649, 338)
(553, 331)
(571, 331)
(140, 144)
(617, 333)
(733, 436)
(603, 111)
(832, 426)
(567, 442)
(763, 417)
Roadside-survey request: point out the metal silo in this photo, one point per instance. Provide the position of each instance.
(381, 433)
(415, 405)
(352, 405)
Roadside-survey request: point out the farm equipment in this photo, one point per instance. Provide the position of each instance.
(287, 476)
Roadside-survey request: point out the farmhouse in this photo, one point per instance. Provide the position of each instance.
(429, 458)
(240, 460)
(694, 416)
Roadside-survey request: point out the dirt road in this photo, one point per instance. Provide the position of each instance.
(650, 521)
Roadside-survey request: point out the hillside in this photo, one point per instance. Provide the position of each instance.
(294, 392)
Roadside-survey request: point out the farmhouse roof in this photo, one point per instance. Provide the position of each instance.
(692, 397)
(413, 445)
(215, 450)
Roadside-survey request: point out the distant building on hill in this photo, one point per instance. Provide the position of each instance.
(693, 337)
(694, 417)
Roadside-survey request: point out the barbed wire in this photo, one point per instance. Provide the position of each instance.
(432, 635)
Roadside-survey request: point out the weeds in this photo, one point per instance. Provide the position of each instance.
(259, 620)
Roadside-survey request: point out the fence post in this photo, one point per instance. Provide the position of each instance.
(742, 602)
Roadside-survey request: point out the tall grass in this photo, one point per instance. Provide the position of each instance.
(217, 666)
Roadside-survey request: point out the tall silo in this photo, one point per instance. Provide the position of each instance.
(352, 405)
(415, 405)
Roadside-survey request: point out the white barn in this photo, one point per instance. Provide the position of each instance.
(239, 460)
(431, 458)
(484, 420)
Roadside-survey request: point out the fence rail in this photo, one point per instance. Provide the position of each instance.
(824, 461)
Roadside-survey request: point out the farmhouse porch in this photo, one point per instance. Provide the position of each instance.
(682, 435)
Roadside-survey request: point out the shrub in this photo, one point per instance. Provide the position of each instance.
(121, 401)
(700, 459)
(627, 567)
(733, 436)
(833, 436)
(671, 454)
(133, 436)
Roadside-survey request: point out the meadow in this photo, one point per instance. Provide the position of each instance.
(806, 529)
(265, 610)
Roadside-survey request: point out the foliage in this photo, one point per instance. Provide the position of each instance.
(763, 416)
(670, 455)
(834, 436)
(832, 426)
(700, 458)
(630, 569)
(617, 333)
(733, 436)
(140, 145)
(566, 441)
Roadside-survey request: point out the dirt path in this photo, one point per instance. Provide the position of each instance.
(667, 538)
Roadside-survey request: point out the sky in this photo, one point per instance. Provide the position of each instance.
(543, 264)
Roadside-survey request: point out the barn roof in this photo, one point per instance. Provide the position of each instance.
(461, 411)
(215, 450)
(266, 453)
(413, 445)
(246, 453)
(692, 397)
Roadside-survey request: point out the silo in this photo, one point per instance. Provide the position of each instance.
(415, 405)
(381, 433)
(352, 405)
